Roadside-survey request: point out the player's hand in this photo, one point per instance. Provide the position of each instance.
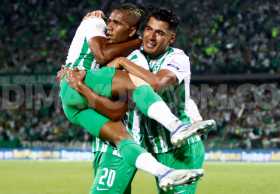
(117, 62)
(96, 13)
(75, 78)
(61, 73)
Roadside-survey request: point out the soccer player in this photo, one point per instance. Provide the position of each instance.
(160, 57)
(90, 38)
(171, 68)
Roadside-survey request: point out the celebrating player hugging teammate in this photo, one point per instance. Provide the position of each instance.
(97, 98)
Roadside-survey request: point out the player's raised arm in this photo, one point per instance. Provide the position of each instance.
(104, 51)
(121, 37)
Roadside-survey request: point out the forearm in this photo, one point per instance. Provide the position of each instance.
(142, 73)
(112, 51)
(114, 110)
(105, 52)
(158, 81)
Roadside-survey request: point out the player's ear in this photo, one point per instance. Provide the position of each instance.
(172, 38)
(132, 32)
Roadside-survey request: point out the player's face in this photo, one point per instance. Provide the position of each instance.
(157, 37)
(118, 29)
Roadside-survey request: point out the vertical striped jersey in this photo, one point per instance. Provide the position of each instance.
(156, 137)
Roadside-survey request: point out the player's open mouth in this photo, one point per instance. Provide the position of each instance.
(151, 44)
(108, 34)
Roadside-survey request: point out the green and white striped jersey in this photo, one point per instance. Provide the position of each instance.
(132, 118)
(79, 54)
(157, 138)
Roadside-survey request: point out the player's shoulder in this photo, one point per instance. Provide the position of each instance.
(178, 52)
(93, 21)
(136, 54)
(178, 55)
(138, 58)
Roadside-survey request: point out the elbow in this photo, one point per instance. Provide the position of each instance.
(155, 85)
(102, 60)
(119, 114)
(116, 116)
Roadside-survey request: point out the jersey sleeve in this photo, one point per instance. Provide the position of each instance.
(139, 59)
(179, 64)
(94, 27)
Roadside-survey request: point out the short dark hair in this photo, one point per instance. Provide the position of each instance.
(166, 15)
(134, 10)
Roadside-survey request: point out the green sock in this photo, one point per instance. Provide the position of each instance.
(130, 150)
(144, 96)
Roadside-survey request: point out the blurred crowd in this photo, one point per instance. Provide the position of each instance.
(247, 115)
(35, 35)
(238, 36)
(38, 120)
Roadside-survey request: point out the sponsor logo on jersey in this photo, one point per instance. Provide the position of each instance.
(174, 66)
